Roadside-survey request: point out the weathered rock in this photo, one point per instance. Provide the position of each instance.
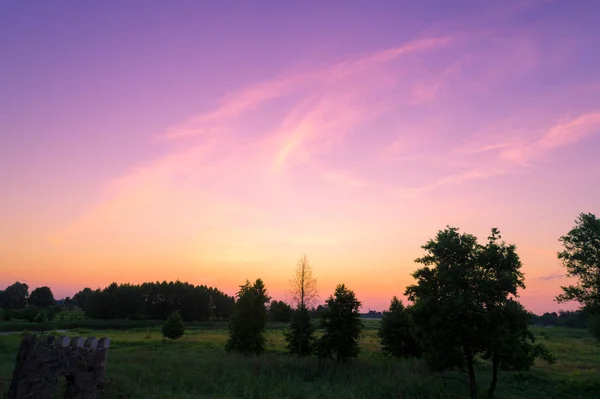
(42, 360)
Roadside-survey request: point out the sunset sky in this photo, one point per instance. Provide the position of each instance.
(215, 142)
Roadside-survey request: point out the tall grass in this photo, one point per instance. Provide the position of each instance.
(142, 365)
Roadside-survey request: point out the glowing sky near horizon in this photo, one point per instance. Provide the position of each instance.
(213, 143)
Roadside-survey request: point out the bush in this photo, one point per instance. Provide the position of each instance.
(7, 315)
(173, 327)
(29, 313)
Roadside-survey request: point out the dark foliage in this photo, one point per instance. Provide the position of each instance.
(581, 258)
(280, 311)
(318, 312)
(42, 297)
(564, 318)
(80, 299)
(397, 332)
(173, 327)
(249, 320)
(15, 296)
(300, 336)
(342, 325)
(155, 301)
(464, 305)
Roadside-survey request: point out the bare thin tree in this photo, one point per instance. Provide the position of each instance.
(303, 286)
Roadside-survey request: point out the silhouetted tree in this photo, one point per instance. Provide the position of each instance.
(397, 332)
(300, 335)
(303, 291)
(15, 296)
(581, 258)
(303, 286)
(342, 325)
(80, 298)
(173, 327)
(464, 306)
(42, 297)
(249, 319)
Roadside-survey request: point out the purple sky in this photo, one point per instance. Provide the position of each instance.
(218, 141)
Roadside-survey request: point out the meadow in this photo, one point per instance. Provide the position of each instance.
(143, 365)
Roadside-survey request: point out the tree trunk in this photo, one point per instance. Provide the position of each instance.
(495, 362)
(472, 382)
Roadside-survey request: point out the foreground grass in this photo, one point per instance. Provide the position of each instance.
(141, 364)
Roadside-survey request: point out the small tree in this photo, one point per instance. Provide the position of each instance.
(303, 291)
(173, 327)
(303, 286)
(300, 336)
(581, 258)
(397, 332)
(249, 319)
(342, 325)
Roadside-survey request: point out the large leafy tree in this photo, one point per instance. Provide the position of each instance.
(15, 296)
(342, 325)
(464, 305)
(249, 319)
(397, 331)
(42, 297)
(303, 292)
(446, 308)
(581, 258)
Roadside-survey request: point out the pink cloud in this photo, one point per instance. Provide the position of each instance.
(235, 104)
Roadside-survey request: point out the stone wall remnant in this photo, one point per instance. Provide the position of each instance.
(43, 360)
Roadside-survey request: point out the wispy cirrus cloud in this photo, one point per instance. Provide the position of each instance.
(522, 149)
(337, 129)
(235, 104)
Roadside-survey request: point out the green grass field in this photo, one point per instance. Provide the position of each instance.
(142, 365)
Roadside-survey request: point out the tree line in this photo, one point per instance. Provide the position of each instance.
(564, 318)
(155, 301)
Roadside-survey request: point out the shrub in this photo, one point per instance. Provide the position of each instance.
(7, 315)
(173, 327)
